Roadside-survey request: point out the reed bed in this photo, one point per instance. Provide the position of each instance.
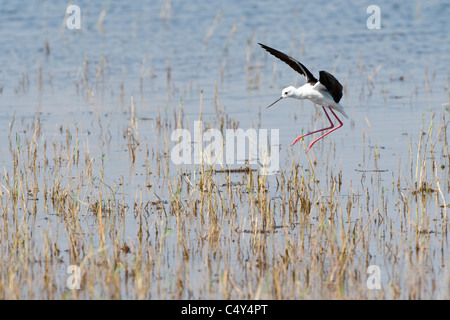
(215, 232)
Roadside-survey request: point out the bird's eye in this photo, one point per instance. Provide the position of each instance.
(286, 92)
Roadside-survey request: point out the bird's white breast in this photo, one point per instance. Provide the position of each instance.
(315, 94)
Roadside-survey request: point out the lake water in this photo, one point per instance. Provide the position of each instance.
(163, 54)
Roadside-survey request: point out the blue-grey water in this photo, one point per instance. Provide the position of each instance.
(167, 53)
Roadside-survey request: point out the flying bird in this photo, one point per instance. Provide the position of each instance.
(327, 92)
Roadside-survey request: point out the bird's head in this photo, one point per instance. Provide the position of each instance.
(287, 92)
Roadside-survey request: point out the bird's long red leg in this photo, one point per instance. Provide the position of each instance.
(340, 125)
(330, 127)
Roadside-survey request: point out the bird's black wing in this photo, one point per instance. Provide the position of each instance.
(332, 84)
(294, 64)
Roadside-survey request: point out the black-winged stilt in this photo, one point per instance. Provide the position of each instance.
(327, 91)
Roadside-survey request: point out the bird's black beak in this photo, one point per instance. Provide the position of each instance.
(275, 102)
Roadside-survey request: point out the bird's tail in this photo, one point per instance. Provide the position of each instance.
(340, 108)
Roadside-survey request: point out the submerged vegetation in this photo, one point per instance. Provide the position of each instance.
(212, 232)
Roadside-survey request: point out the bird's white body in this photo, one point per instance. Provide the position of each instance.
(317, 93)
